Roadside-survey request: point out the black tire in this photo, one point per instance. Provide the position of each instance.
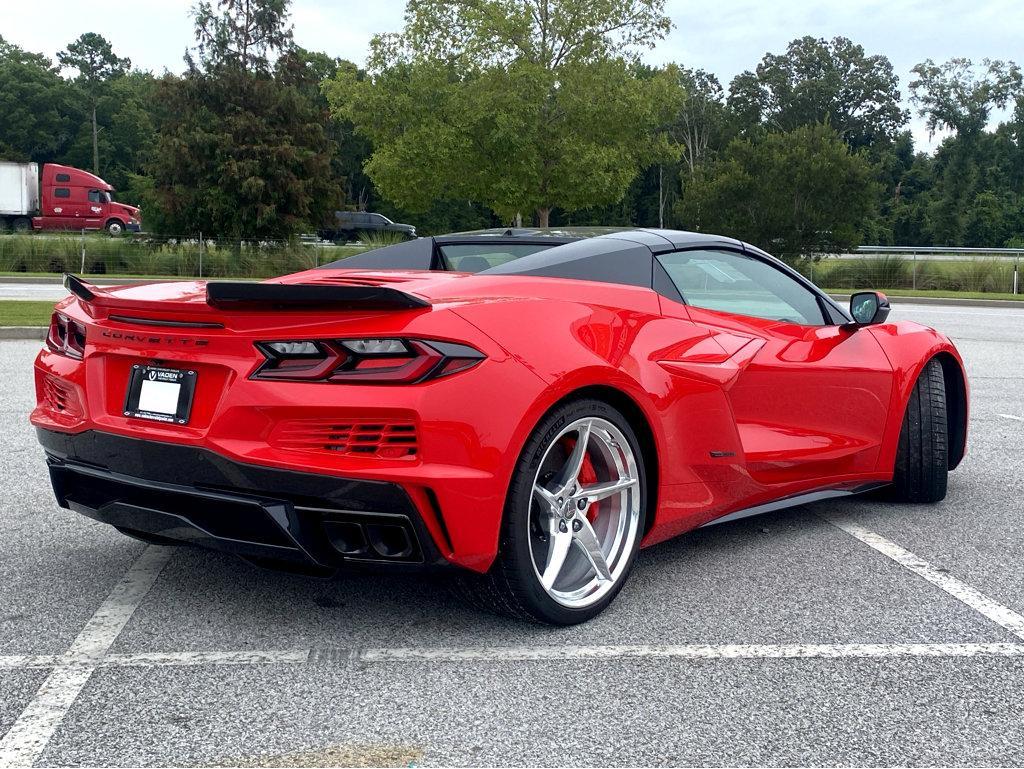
(21, 224)
(922, 456)
(511, 587)
(114, 228)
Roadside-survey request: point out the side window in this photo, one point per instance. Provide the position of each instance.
(477, 257)
(63, 177)
(731, 282)
(378, 219)
(61, 192)
(95, 196)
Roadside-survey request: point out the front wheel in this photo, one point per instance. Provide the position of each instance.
(114, 228)
(573, 519)
(922, 456)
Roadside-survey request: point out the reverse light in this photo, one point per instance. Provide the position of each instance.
(364, 361)
(66, 337)
(295, 349)
(376, 346)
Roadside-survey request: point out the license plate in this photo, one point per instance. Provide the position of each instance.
(161, 394)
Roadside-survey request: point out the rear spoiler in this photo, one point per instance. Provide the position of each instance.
(296, 296)
(78, 287)
(299, 295)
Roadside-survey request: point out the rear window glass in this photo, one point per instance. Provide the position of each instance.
(61, 192)
(476, 257)
(63, 177)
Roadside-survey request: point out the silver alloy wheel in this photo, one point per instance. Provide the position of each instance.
(581, 534)
(115, 228)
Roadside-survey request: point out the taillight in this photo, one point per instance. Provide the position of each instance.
(66, 336)
(364, 361)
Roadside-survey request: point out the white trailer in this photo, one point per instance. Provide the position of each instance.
(19, 194)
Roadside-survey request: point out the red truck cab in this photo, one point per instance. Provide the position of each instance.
(73, 199)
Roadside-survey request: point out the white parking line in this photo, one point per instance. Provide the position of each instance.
(1001, 615)
(414, 654)
(686, 651)
(1011, 416)
(31, 732)
(168, 659)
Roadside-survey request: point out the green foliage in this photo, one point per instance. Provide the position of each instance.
(478, 112)
(94, 61)
(241, 34)
(56, 254)
(792, 194)
(820, 81)
(96, 64)
(37, 106)
(520, 111)
(381, 239)
(241, 153)
(977, 276)
(957, 96)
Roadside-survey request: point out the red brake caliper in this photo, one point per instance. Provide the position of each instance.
(588, 476)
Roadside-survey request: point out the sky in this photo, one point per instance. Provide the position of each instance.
(722, 36)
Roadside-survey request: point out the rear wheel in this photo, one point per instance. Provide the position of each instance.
(21, 224)
(573, 519)
(922, 460)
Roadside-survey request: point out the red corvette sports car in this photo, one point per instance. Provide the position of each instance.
(525, 408)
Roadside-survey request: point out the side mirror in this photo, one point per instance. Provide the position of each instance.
(869, 308)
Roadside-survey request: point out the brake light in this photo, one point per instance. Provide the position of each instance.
(66, 336)
(364, 361)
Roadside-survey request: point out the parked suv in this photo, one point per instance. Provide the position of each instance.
(349, 225)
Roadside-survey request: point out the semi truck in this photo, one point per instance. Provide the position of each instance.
(64, 198)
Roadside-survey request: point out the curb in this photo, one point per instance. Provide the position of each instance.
(37, 333)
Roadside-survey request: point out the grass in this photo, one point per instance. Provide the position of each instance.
(18, 313)
(150, 256)
(987, 276)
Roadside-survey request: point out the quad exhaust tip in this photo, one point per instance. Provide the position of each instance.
(372, 541)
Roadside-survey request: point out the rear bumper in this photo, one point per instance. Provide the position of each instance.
(270, 516)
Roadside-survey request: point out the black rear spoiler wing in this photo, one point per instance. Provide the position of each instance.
(303, 296)
(281, 296)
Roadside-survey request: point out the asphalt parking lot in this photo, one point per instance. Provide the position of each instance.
(854, 633)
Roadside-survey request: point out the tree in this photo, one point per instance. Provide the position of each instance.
(958, 96)
(127, 131)
(36, 104)
(794, 194)
(701, 119)
(971, 181)
(92, 56)
(241, 33)
(241, 153)
(519, 106)
(820, 81)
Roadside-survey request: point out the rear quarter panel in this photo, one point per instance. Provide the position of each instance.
(612, 337)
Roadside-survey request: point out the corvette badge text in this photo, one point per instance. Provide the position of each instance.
(167, 340)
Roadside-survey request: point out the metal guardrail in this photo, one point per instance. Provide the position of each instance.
(940, 250)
